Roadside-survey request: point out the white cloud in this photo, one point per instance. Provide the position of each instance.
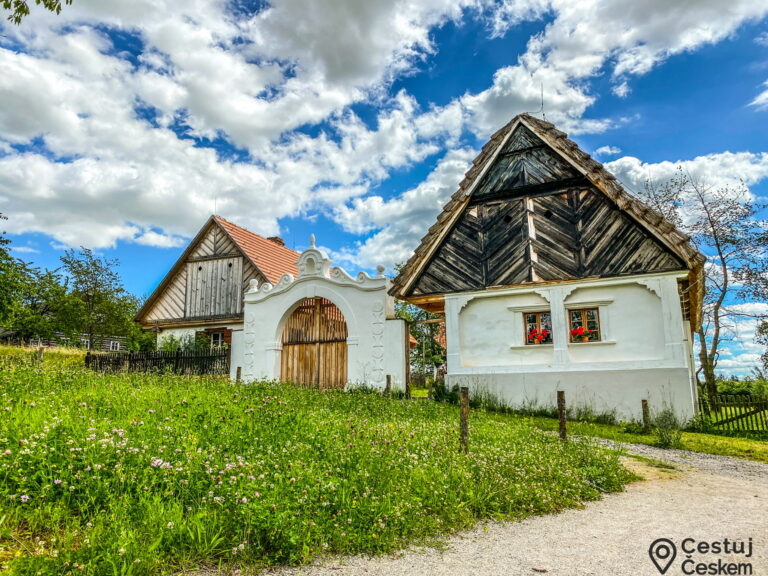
(739, 351)
(608, 151)
(401, 222)
(723, 169)
(108, 174)
(585, 39)
(25, 250)
(761, 100)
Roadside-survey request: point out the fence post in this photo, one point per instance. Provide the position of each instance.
(88, 359)
(176, 361)
(40, 352)
(646, 417)
(388, 386)
(408, 389)
(238, 374)
(464, 421)
(561, 415)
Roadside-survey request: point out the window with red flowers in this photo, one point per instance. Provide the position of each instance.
(584, 325)
(538, 327)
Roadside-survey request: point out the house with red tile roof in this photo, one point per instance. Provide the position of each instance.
(202, 294)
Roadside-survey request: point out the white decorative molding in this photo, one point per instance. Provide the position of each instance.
(377, 331)
(588, 303)
(652, 284)
(462, 301)
(544, 293)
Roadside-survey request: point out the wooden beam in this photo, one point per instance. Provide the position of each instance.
(532, 190)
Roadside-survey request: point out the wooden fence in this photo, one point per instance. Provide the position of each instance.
(735, 412)
(178, 362)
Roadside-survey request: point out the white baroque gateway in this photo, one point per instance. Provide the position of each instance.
(323, 328)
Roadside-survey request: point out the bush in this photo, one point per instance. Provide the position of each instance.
(668, 429)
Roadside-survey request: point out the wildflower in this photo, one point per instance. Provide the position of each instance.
(57, 481)
(244, 500)
(170, 525)
(24, 498)
(121, 551)
(292, 480)
(256, 495)
(7, 452)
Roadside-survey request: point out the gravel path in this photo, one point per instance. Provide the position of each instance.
(707, 498)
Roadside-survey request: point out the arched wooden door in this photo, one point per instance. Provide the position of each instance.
(315, 345)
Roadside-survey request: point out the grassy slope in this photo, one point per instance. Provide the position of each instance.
(706, 443)
(138, 474)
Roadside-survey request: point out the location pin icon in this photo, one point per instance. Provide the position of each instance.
(662, 552)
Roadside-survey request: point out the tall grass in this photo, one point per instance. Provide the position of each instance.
(59, 357)
(138, 475)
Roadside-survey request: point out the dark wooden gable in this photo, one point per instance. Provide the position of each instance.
(532, 218)
(525, 163)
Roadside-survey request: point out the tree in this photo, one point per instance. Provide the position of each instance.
(36, 312)
(12, 278)
(425, 328)
(97, 304)
(20, 8)
(723, 224)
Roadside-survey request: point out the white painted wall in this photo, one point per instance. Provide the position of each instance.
(645, 351)
(373, 349)
(185, 332)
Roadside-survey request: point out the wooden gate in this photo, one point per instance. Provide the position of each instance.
(315, 345)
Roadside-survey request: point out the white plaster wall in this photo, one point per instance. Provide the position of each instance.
(180, 333)
(644, 352)
(396, 351)
(363, 301)
(236, 352)
(621, 391)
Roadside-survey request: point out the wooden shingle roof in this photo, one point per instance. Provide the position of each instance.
(581, 165)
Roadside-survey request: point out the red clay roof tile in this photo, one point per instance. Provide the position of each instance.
(269, 257)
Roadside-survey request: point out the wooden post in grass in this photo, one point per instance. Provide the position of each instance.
(40, 353)
(239, 374)
(646, 417)
(408, 389)
(88, 359)
(388, 387)
(561, 415)
(464, 421)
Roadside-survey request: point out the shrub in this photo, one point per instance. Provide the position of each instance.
(668, 429)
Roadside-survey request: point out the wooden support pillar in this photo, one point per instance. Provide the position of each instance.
(464, 421)
(388, 387)
(561, 415)
(408, 389)
(646, 417)
(239, 374)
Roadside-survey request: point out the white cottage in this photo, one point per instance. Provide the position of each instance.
(323, 328)
(552, 277)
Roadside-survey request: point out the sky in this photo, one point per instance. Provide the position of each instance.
(125, 125)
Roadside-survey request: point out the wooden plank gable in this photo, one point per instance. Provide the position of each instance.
(532, 217)
(209, 279)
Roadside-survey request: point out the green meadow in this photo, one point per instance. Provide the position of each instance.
(149, 474)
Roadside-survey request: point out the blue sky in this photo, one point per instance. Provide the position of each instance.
(123, 124)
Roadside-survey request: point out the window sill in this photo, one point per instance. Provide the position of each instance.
(531, 346)
(596, 343)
